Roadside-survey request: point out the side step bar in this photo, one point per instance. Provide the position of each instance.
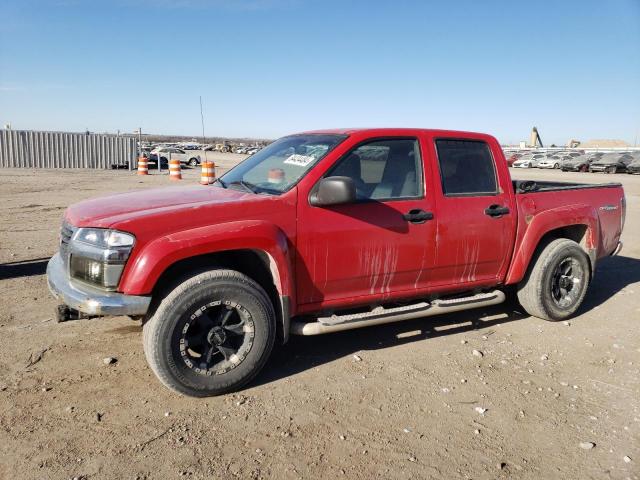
(380, 315)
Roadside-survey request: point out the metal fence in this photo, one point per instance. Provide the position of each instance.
(30, 149)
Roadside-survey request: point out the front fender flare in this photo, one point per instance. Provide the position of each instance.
(146, 267)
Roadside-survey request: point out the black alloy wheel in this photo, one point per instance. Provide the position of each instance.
(566, 282)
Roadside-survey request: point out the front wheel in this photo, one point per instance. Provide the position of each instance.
(556, 282)
(211, 335)
(193, 162)
(556, 166)
(612, 169)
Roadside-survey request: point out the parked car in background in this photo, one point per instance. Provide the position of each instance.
(164, 153)
(528, 161)
(549, 161)
(512, 157)
(611, 163)
(634, 166)
(593, 156)
(576, 164)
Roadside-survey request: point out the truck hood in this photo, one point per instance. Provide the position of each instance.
(106, 211)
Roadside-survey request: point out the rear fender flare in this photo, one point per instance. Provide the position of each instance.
(545, 222)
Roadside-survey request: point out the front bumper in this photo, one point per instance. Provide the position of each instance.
(86, 299)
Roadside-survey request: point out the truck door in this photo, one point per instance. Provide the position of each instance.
(377, 247)
(475, 213)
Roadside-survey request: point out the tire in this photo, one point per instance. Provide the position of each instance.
(550, 291)
(584, 168)
(556, 166)
(193, 162)
(611, 169)
(190, 322)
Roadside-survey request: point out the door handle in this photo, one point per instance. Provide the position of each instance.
(496, 210)
(417, 216)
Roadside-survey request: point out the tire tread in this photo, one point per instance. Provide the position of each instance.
(151, 334)
(530, 289)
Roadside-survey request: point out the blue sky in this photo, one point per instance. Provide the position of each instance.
(266, 68)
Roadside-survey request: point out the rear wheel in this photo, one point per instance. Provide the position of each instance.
(556, 282)
(211, 335)
(611, 169)
(584, 168)
(556, 166)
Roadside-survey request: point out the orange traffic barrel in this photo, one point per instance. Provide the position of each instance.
(208, 175)
(143, 166)
(174, 170)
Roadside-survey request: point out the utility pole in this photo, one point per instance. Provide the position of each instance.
(202, 122)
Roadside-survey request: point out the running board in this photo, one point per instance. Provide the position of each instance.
(380, 315)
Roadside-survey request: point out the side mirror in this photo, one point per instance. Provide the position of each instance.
(334, 191)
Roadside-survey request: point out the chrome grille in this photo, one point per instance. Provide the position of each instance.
(66, 232)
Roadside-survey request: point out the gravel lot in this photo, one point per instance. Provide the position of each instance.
(407, 400)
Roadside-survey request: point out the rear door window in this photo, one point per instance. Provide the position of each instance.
(466, 168)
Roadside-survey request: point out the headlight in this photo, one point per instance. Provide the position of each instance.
(98, 256)
(104, 238)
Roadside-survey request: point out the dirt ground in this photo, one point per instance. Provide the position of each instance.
(396, 401)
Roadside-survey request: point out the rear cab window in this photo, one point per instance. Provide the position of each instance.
(466, 167)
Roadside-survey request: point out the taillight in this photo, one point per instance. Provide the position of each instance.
(623, 212)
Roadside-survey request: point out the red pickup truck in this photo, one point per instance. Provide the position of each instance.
(327, 231)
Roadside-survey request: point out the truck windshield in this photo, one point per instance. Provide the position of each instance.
(278, 167)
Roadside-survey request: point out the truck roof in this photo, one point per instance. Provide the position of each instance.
(395, 131)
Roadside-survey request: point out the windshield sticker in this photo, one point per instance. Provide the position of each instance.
(299, 160)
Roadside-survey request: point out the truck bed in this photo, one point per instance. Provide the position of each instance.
(546, 206)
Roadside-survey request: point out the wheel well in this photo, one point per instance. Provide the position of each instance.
(578, 233)
(252, 263)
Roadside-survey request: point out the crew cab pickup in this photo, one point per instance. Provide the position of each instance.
(328, 231)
